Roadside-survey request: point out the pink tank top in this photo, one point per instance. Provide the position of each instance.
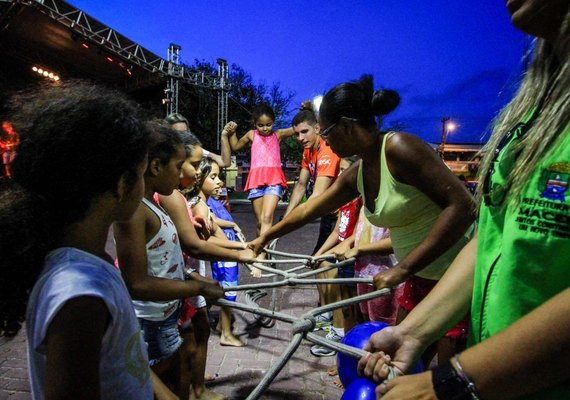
(265, 168)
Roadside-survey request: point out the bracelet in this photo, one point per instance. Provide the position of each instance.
(448, 385)
(464, 377)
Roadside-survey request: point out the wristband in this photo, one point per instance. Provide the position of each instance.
(461, 372)
(448, 385)
(205, 153)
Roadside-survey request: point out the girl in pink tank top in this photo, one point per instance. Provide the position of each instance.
(266, 180)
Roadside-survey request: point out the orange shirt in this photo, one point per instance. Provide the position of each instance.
(321, 162)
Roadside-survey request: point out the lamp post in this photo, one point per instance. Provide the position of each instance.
(447, 126)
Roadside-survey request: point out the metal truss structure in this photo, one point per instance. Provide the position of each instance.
(95, 32)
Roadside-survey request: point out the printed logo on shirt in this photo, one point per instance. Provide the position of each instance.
(324, 161)
(135, 361)
(548, 214)
(554, 180)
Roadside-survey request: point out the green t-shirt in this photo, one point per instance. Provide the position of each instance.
(523, 254)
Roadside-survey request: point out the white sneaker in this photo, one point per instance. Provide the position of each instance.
(322, 322)
(323, 351)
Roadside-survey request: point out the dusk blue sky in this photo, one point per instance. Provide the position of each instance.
(456, 58)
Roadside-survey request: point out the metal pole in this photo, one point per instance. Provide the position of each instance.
(223, 75)
(444, 122)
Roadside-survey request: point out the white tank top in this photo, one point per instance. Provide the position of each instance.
(165, 260)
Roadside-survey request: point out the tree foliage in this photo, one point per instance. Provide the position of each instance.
(200, 107)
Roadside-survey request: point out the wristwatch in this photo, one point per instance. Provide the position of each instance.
(448, 385)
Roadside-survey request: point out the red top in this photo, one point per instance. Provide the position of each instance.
(348, 215)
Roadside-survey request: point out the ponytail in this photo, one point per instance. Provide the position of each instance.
(358, 100)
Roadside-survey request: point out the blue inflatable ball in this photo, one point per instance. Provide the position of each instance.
(356, 337)
(360, 389)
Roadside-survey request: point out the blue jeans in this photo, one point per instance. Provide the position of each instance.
(254, 193)
(162, 338)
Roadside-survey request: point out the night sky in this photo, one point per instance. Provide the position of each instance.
(460, 59)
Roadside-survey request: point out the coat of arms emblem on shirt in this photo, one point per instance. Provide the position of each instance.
(554, 181)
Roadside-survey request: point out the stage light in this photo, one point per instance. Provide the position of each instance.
(109, 58)
(130, 71)
(85, 45)
(45, 73)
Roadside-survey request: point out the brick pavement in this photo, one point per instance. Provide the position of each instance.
(239, 369)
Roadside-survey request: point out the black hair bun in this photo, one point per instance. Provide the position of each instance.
(384, 101)
(307, 105)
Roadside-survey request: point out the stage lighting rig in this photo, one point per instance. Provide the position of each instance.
(43, 72)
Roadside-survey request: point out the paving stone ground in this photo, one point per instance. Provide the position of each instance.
(238, 369)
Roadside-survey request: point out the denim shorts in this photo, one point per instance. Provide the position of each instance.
(162, 338)
(254, 193)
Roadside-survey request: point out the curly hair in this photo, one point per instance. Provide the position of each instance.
(77, 141)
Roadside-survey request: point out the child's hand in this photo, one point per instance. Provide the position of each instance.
(201, 227)
(213, 291)
(342, 251)
(230, 128)
(246, 256)
(239, 233)
(257, 245)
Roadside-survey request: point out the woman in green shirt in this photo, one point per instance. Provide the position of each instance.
(514, 274)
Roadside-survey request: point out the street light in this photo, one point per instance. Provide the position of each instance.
(447, 126)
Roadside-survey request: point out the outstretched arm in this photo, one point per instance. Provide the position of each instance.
(226, 148)
(341, 192)
(298, 191)
(217, 158)
(131, 251)
(530, 355)
(382, 247)
(236, 144)
(285, 133)
(175, 206)
(442, 308)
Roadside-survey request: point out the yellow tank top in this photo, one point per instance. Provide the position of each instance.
(409, 214)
